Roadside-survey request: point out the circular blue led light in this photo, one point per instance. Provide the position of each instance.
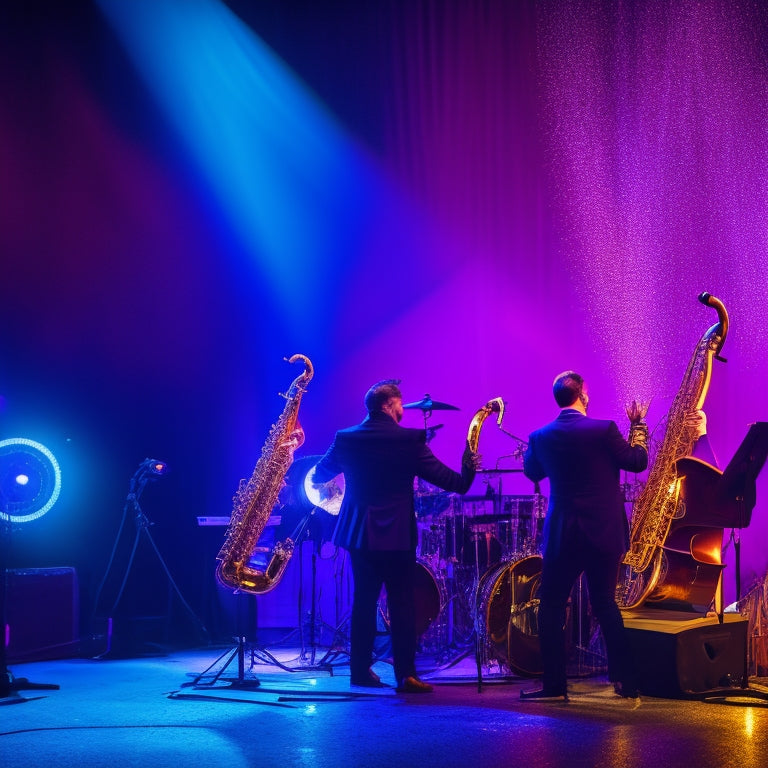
(30, 480)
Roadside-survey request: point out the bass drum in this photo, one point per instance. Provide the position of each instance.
(508, 613)
(429, 601)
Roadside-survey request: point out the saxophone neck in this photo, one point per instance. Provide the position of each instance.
(492, 406)
(719, 331)
(301, 381)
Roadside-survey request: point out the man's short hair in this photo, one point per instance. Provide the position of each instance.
(381, 393)
(567, 388)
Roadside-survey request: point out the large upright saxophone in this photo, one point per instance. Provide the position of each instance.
(255, 499)
(659, 502)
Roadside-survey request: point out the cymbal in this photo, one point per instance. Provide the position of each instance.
(428, 404)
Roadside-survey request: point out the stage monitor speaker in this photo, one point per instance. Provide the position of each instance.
(687, 658)
(43, 614)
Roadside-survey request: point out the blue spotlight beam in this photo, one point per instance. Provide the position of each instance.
(292, 184)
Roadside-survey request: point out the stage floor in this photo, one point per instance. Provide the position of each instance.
(192, 708)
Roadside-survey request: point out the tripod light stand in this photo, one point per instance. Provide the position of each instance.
(149, 469)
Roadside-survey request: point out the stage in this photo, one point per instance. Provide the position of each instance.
(158, 711)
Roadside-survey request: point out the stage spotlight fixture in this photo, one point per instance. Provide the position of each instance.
(327, 496)
(155, 467)
(302, 492)
(151, 468)
(30, 480)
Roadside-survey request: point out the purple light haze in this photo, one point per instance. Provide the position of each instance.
(562, 180)
(586, 244)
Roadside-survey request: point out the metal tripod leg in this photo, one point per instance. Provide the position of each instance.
(209, 678)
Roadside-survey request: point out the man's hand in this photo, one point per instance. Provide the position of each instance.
(638, 429)
(471, 458)
(636, 411)
(698, 420)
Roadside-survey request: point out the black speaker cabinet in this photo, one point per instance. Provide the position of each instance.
(42, 613)
(685, 657)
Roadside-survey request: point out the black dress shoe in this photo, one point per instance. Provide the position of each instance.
(545, 693)
(412, 684)
(626, 691)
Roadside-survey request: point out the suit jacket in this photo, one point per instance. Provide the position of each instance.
(380, 460)
(582, 458)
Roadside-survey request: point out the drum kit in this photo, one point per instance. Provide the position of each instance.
(479, 569)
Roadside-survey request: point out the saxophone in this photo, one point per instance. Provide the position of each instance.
(659, 502)
(255, 499)
(492, 406)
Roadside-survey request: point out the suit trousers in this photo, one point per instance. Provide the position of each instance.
(558, 576)
(396, 571)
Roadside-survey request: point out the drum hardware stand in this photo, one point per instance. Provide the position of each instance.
(476, 542)
(340, 638)
(325, 497)
(451, 595)
(455, 650)
(334, 652)
(479, 654)
(478, 651)
(323, 664)
(454, 653)
(339, 646)
(584, 651)
(300, 535)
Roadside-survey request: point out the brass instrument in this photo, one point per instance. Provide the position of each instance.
(492, 406)
(661, 500)
(255, 499)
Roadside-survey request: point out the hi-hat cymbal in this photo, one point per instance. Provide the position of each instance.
(428, 404)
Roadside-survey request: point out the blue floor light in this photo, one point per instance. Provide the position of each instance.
(30, 483)
(30, 480)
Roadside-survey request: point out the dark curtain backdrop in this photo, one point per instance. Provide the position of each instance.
(472, 196)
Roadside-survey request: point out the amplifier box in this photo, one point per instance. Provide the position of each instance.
(42, 613)
(688, 658)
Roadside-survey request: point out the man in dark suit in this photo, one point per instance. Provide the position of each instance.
(586, 529)
(377, 525)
